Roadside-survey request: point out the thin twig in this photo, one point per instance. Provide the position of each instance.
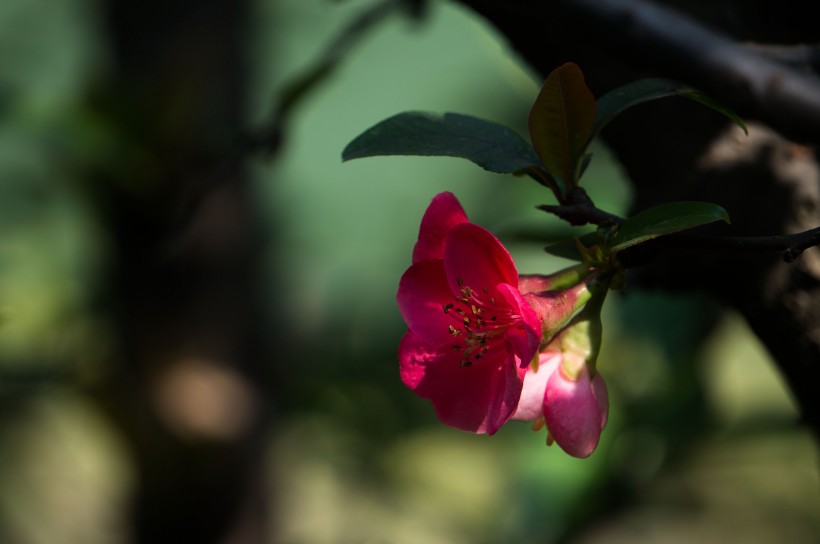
(582, 214)
(791, 245)
(268, 137)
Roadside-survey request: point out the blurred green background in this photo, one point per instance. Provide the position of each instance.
(703, 443)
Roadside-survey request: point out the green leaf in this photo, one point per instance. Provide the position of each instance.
(568, 248)
(665, 219)
(490, 145)
(561, 121)
(616, 101)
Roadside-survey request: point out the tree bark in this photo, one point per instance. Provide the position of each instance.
(182, 290)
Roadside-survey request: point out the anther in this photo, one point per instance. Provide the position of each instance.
(454, 331)
(447, 307)
(466, 364)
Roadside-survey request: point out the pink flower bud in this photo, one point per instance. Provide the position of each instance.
(574, 409)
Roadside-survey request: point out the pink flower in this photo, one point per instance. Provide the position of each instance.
(574, 408)
(471, 333)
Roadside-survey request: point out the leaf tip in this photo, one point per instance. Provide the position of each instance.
(346, 154)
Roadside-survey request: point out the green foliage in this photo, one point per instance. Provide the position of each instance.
(616, 101)
(490, 145)
(665, 219)
(568, 249)
(563, 121)
(649, 224)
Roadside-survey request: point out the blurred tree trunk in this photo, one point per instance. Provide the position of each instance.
(674, 149)
(186, 389)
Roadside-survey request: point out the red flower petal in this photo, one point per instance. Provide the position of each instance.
(526, 336)
(443, 213)
(474, 258)
(423, 292)
(479, 398)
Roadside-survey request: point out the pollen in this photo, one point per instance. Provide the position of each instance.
(470, 326)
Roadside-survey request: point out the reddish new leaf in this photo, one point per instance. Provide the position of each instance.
(561, 121)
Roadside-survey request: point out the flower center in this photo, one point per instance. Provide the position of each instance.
(476, 322)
